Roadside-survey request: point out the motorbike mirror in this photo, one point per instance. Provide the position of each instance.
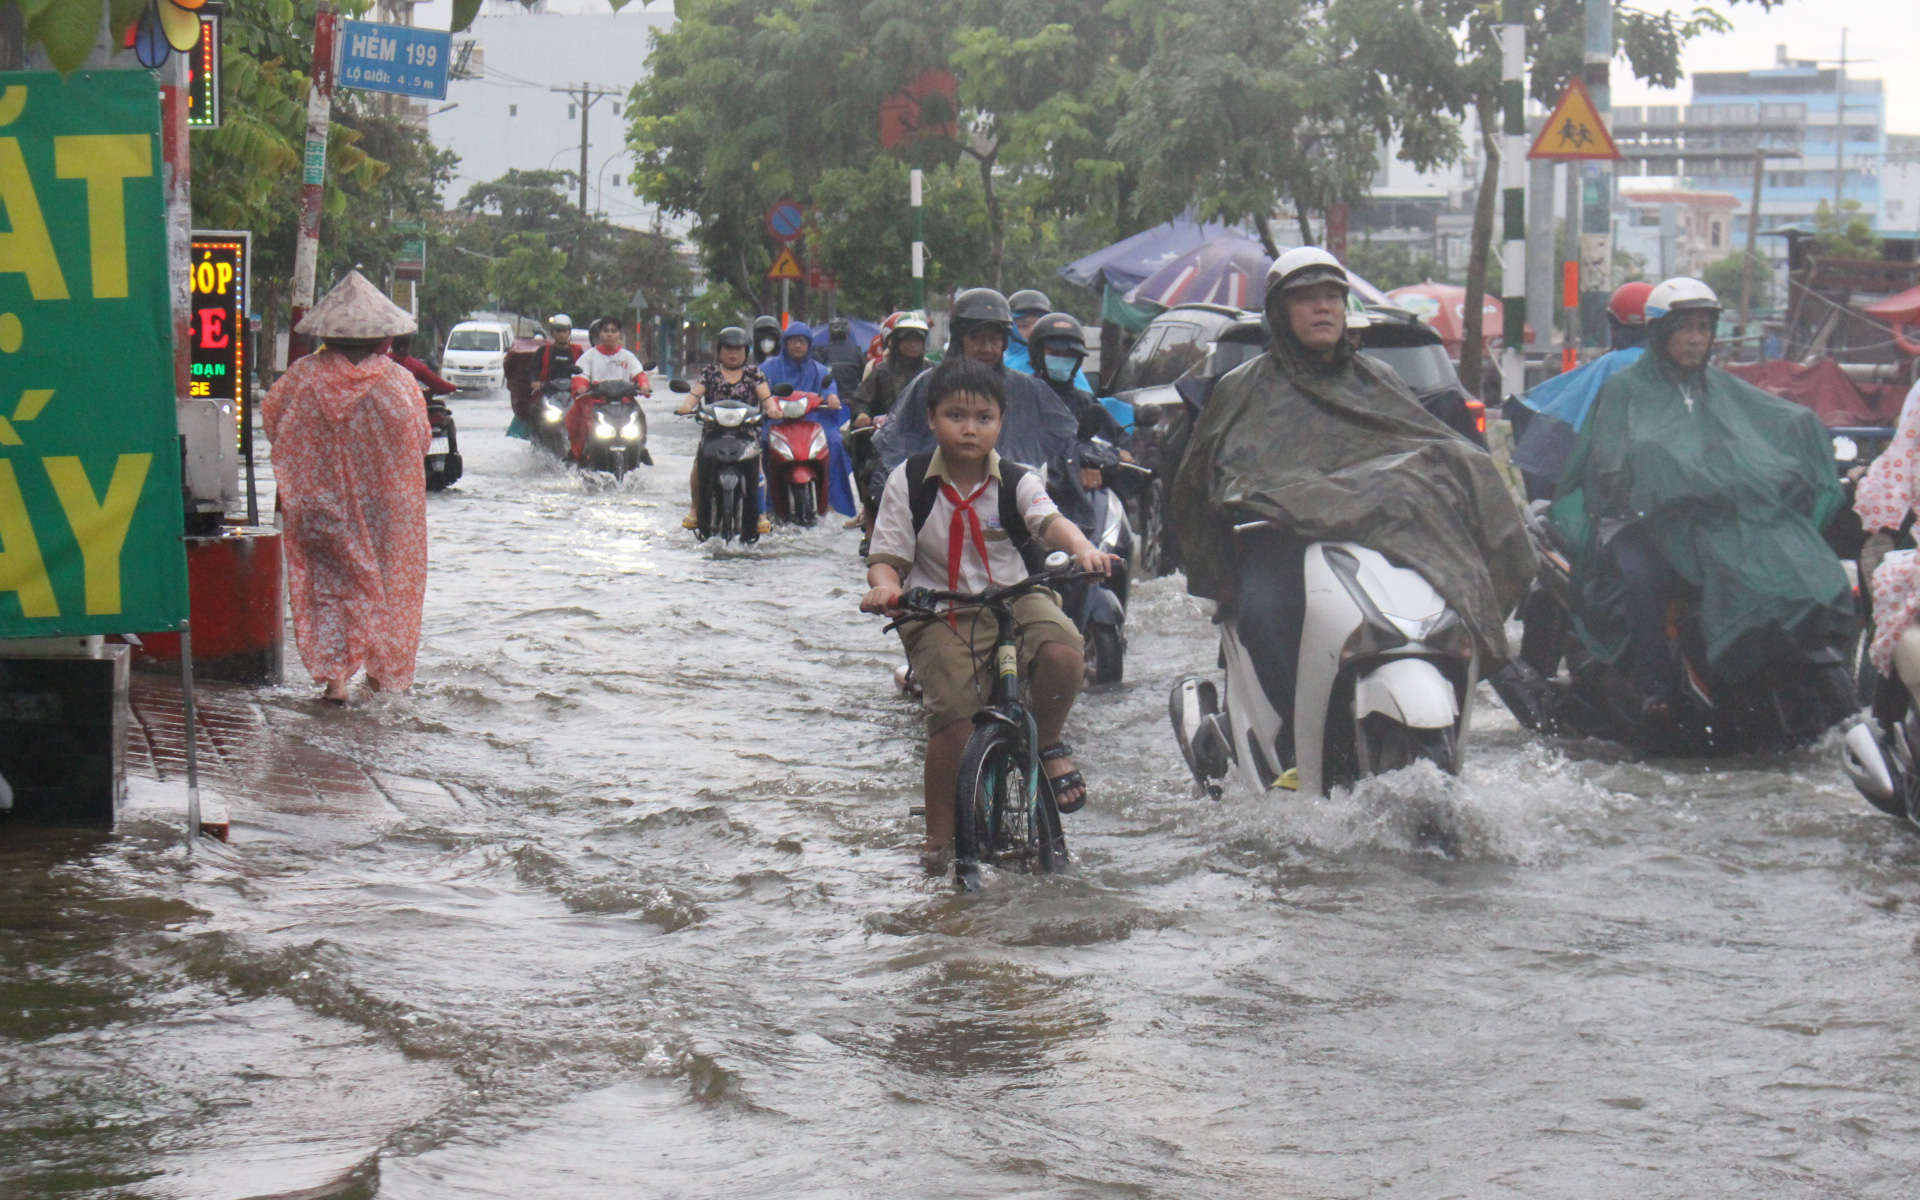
(1058, 560)
(679, 385)
(783, 389)
(1090, 422)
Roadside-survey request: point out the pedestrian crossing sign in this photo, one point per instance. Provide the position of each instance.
(786, 266)
(1575, 130)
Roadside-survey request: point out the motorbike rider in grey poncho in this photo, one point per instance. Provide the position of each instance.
(1328, 445)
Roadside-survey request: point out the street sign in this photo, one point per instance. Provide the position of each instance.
(785, 220)
(90, 512)
(822, 281)
(411, 261)
(204, 70)
(786, 266)
(395, 58)
(217, 282)
(1575, 130)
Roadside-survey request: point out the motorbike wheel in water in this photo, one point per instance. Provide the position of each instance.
(1387, 745)
(800, 504)
(1149, 531)
(617, 462)
(1001, 816)
(1106, 654)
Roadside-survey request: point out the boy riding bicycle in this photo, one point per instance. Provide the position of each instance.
(962, 520)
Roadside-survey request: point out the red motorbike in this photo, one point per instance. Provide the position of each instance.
(796, 458)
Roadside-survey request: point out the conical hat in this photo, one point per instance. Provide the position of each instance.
(356, 309)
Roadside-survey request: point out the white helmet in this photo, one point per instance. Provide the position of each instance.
(913, 321)
(1304, 266)
(560, 321)
(1680, 295)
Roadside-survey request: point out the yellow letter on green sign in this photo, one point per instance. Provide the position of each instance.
(27, 249)
(100, 526)
(105, 160)
(21, 569)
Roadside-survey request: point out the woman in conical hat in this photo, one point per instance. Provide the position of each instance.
(349, 431)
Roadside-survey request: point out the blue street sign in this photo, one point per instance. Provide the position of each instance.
(395, 58)
(785, 221)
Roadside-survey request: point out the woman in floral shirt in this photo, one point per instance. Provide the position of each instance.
(732, 378)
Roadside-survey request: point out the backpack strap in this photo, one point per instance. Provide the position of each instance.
(921, 491)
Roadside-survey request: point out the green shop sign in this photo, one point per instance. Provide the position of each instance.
(90, 509)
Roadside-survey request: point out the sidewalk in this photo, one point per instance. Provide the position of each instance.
(257, 775)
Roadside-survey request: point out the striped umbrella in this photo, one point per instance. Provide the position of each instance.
(1229, 270)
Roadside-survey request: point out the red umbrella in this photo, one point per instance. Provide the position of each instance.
(1900, 311)
(1444, 306)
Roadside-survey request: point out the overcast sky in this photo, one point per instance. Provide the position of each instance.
(1886, 30)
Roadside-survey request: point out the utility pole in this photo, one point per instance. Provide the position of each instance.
(1595, 179)
(584, 96)
(1513, 171)
(313, 177)
(1840, 128)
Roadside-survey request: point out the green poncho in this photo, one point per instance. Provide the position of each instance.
(1343, 452)
(1731, 492)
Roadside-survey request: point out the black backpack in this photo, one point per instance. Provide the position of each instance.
(923, 491)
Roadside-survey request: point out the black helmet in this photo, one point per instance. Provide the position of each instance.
(733, 336)
(1029, 300)
(981, 306)
(1055, 328)
(839, 325)
(772, 323)
(593, 330)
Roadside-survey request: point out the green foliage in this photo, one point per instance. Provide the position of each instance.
(718, 307)
(1727, 277)
(1390, 265)
(1846, 234)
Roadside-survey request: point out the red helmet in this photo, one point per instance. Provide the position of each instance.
(1629, 303)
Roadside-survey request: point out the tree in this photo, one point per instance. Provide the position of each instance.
(1241, 105)
(1727, 277)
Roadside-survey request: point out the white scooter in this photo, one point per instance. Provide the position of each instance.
(1385, 674)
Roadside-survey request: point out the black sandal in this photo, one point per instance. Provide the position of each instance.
(1058, 784)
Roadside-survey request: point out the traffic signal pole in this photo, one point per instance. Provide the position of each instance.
(919, 243)
(1513, 178)
(1596, 178)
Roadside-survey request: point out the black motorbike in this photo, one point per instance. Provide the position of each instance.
(550, 419)
(444, 464)
(728, 466)
(618, 440)
(1557, 686)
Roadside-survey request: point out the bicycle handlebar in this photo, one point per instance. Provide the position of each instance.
(918, 603)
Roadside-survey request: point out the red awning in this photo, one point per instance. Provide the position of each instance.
(1902, 309)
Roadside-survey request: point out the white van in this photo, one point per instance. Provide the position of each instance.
(476, 355)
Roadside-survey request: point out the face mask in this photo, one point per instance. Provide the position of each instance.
(766, 347)
(1062, 367)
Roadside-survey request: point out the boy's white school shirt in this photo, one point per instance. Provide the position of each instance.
(923, 561)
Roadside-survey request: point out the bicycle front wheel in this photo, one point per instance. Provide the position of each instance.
(1000, 817)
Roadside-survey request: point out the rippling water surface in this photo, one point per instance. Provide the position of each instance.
(678, 943)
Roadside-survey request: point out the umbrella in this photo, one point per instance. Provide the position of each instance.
(1444, 306)
(1229, 270)
(1900, 311)
(1130, 260)
(859, 332)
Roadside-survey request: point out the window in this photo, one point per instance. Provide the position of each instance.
(485, 340)
(513, 110)
(1715, 237)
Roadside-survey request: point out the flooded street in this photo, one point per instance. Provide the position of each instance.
(674, 940)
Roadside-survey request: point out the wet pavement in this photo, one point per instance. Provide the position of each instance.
(623, 901)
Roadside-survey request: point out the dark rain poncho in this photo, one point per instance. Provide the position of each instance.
(1345, 453)
(1731, 493)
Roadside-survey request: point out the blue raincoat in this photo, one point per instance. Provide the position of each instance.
(1560, 408)
(808, 374)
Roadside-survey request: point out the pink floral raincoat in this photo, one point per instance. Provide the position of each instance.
(1883, 497)
(348, 446)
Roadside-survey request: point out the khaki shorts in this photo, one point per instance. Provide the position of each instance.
(954, 667)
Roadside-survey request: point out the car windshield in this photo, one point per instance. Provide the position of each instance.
(1228, 355)
(1424, 368)
(474, 339)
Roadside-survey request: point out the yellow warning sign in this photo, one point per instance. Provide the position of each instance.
(786, 266)
(1575, 130)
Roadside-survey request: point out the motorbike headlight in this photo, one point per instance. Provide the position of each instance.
(729, 418)
(553, 414)
(793, 410)
(631, 429)
(781, 448)
(602, 430)
(1845, 449)
(817, 448)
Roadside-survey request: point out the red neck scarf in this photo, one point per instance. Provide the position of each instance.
(965, 523)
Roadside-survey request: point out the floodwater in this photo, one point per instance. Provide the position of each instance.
(678, 942)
